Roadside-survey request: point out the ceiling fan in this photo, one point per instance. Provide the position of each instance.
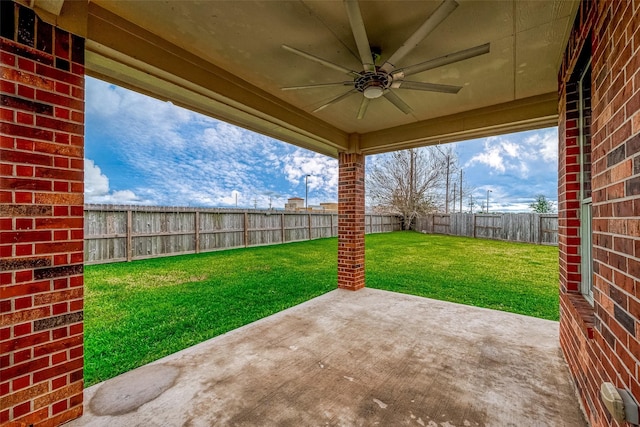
(380, 81)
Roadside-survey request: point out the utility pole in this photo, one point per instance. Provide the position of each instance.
(306, 192)
(460, 190)
(236, 200)
(412, 166)
(255, 203)
(488, 191)
(471, 203)
(446, 195)
(454, 197)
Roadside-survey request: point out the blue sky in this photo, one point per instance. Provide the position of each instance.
(139, 150)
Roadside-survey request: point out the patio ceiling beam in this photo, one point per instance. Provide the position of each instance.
(515, 116)
(125, 54)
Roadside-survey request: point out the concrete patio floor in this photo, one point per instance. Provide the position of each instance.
(361, 358)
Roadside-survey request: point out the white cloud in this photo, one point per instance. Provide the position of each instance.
(232, 198)
(96, 188)
(323, 170)
(510, 149)
(95, 182)
(510, 207)
(183, 158)
(122, 197)
(491, 158)
(518, 154)
(139, 118)
(546, 144)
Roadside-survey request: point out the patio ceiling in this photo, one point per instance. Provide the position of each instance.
(225, 59)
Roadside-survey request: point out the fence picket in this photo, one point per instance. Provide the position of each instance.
(515, 227)
(125, 233)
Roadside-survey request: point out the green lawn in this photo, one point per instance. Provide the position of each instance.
(138, 312)
(515, 277)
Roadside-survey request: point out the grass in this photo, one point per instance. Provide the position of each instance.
(141, 311)
(515, 277)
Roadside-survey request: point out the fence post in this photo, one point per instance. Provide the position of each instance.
(539, 229)
(330, 225)
(246, 229)
(197, 232)
(474, 226)
(282, 227)
(129, 240)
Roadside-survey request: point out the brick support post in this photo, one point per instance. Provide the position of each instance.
(41, 225)
(351, 221)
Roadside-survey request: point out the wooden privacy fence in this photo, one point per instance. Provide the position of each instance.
(126, 233)
(515, 227)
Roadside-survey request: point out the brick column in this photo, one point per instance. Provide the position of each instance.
(41, 225)
(351, 221)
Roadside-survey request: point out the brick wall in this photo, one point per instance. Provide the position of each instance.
(602, 342)
(569, 190)
(351, 224)
(41, 230)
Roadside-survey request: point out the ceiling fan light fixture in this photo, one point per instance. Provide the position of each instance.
(373, 92)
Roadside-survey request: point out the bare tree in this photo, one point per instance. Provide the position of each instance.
(410, 182)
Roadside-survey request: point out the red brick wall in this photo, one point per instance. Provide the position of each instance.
(602, 343)
(41, 225)
(569, 190)
(351, 221)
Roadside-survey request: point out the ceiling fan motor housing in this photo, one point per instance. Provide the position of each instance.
(373, 84)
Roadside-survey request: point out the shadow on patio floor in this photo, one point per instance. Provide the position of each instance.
(361, 358)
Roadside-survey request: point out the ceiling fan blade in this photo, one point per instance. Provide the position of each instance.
(363, 107)
(360, 34)
(443, 60)
(318, 85)
(439, 15)
(399, 103)
(334, 100)
(429, 87)
(321, 61)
